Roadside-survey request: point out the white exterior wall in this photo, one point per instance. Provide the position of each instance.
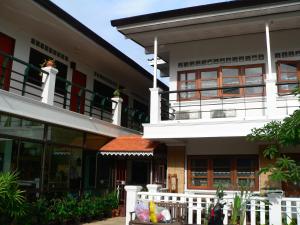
(22, 51)
(244, 45)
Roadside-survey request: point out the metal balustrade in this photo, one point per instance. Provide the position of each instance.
(176, 105)
(87, 102)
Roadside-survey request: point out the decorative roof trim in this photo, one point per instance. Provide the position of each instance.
(127, 153)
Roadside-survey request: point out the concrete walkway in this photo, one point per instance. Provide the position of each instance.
(110, 221)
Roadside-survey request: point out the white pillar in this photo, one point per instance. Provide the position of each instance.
(275, 216)
(271, 89)
(131, 198)
(155, 106)
(153, 188)
(155, 64)
(117, 110)
(48, 87)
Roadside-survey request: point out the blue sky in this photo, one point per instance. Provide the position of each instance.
(97, 14)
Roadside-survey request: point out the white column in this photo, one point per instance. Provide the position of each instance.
(155, 64)
(48, 87)
(275, 216)
(271, 89)
(131, 198)
(117, 110)
(153, 188)
(155, 106)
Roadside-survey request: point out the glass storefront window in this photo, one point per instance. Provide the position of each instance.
(66, 136)
(20, 127)
(29, 165)
(8, 155)
(64, 166)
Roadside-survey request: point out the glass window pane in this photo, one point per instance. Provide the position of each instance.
(221, 167)
(254, 80)
(8, 155)
(209, 93)
(254, 90)
(30, 165)
(59, 167)
(288, 67)
(253, 71)
(288, 87)
(199, 167)
(224, 182)
(209, 75)
(231, 91)
(209, 83)
(191, 76)
(231, 81)
(228, 72)
(182, 77)
(288, 76)
(65, 136)
(199, 182)
(15, 126)
(191, 85)
(183, 86)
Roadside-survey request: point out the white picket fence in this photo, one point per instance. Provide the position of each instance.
(272, 210)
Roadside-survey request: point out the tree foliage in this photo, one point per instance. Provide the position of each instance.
(279, 136)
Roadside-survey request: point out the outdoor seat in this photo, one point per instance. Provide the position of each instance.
(178, 213)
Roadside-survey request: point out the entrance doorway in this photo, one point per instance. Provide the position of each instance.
(140, 174)
(7, 45)
(77, 92)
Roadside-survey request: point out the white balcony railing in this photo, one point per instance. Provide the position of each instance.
(272, 210)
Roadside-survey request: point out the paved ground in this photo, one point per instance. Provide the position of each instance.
(111, 221)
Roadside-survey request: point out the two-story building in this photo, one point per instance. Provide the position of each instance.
(232, 66)
(54, 121)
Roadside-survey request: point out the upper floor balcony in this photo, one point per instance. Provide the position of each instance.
(43, 94)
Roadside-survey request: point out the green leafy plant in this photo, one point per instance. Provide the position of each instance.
(12, 200)
(278, 136)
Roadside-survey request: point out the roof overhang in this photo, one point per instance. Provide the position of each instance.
(209, 21)
(133, 145)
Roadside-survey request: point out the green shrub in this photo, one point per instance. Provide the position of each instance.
(12, 200)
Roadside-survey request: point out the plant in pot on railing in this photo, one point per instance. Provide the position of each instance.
(48, 62)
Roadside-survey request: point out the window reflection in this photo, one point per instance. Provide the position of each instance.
(64, 168)
(29, 165)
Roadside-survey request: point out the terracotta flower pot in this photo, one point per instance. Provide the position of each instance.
(50, 63)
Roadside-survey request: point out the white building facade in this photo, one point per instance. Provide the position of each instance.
(54, 120)
(232, 67)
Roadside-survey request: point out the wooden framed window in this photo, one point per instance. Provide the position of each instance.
(208, 172)
(230, 77)
(186, 81)
(288, 74)
(254, 75)
(209, 78)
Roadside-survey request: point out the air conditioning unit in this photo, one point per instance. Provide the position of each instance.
(188, 115)
(222, 113)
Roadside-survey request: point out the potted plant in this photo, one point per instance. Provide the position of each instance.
(48, 63)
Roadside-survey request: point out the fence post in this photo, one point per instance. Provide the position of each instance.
(275, 216)
(48, 87)
(131, 198)
(153, 188)
(117, 110)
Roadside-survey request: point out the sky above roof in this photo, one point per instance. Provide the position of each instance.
(97, 14)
